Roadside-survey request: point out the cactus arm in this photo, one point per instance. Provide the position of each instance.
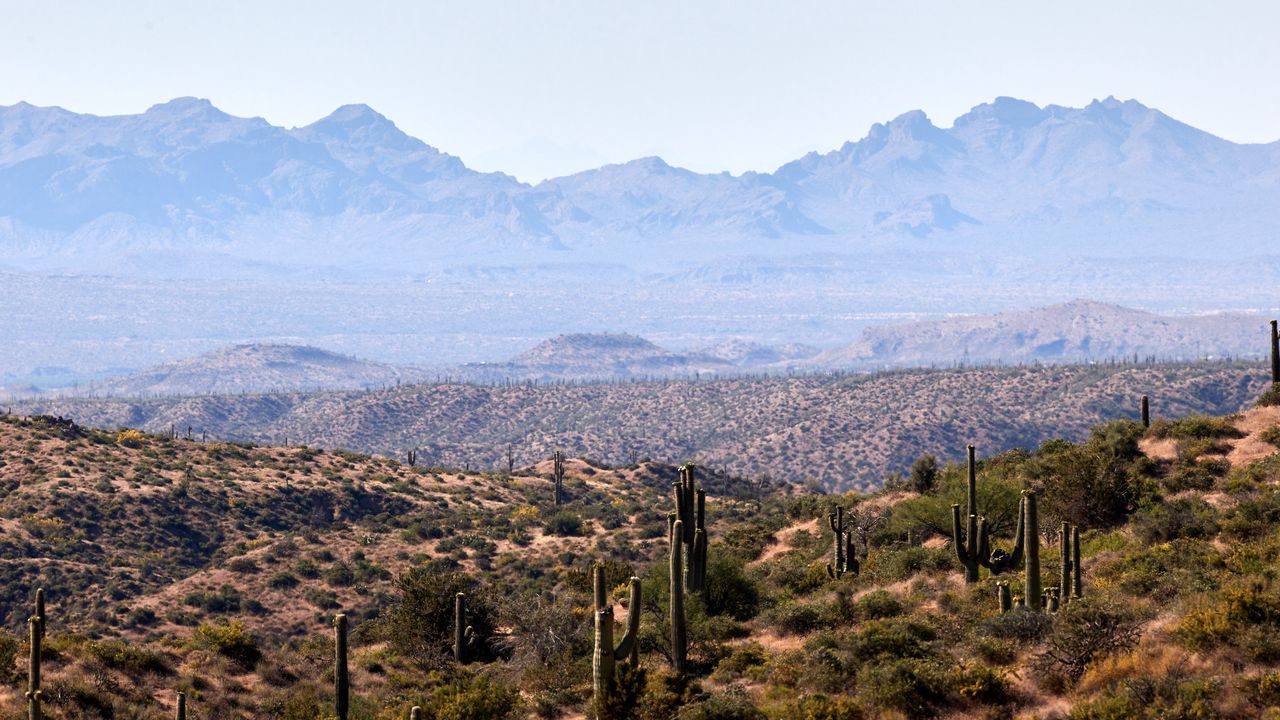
(984, 544)
(1018, 540)
(628, 646)
(956, 541)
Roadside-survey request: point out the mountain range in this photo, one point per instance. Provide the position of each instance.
(186, 189)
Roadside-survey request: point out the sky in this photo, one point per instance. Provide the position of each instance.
(541, 89)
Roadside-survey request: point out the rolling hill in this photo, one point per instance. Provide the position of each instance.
(838, 430)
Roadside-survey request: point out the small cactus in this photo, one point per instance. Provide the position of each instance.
(1005, 599)
(1145, 409)
(415, 713)
(341, 680)
(181, 713)
(464, 635)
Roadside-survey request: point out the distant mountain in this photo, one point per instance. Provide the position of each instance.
(251, 369)
(610, 356)
(187, 190)
(1081, 330)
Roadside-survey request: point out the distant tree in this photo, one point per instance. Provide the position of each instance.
(924, 474)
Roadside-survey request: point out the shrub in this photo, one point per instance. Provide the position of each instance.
(1021, 625)
(1194, 427)
(731, 704)
(130, 439)
(911, 686)
(729, 591)
(1086, 630)
(565, 524)
(924, 474)
(877, 604)
(1244, 617)
(1181, 518)
(822, 707)
(1271, 435)
(420, 624)
(477, 699)
(1095, 484)
(1270, 396)
(230, 640)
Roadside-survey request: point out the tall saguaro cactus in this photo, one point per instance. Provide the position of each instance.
(181, 714)
(1065, 563)
(1146, 411)
(844, 558)
(1275, 352)
(1077, 582)
(40, 609)
(606, 654)
(34, 696)
(679, 635)
(557, 472)
(691, 511)
(1031, 543)
(967, 546)
(341, 679)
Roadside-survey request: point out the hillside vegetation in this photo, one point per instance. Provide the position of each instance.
(842, 431)
(217, 568)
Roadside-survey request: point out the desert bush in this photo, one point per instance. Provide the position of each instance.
(910, 686)
(1095, 484)
(1158, 522)
(1087, 630)
(565, 524)
(1270, 397)
(1020, 625)
(924, 474)
(1244, 617)
(1194, 427)
(420, 623)
(732, 704)
(877, 604)
(478, 698)
(229, 639)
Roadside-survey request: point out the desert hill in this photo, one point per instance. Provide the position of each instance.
(1076, 331)
(251, 368)
(216, 568)
(838, 430)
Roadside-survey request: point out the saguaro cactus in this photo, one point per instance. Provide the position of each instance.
(415, 713)
(679, 635)
(1077, 584)
(691, 511)
(999, 561)
(557, 472)
(35, 626)
(1275, 353)
(967, 546)
(464, 635)
(1031, 544)
(181, 714)
(1146, 411)
(341, 680)
(40, 610)
(844, 559)
(1065, 574)
(606, 653)
(1005, 599)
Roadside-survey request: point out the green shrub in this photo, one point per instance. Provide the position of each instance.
(910, 686)
(1271, 435)
(731, 704)
(479, 698)
(230, 640)
(1086, 630)
(1194, 427)
(1270, 397)
(877, 604)
(1181, 518)
(565, 524)
(420, 624)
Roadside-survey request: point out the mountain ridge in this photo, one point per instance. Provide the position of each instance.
(352, 190)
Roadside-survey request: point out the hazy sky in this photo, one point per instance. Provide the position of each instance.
(547, 88)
